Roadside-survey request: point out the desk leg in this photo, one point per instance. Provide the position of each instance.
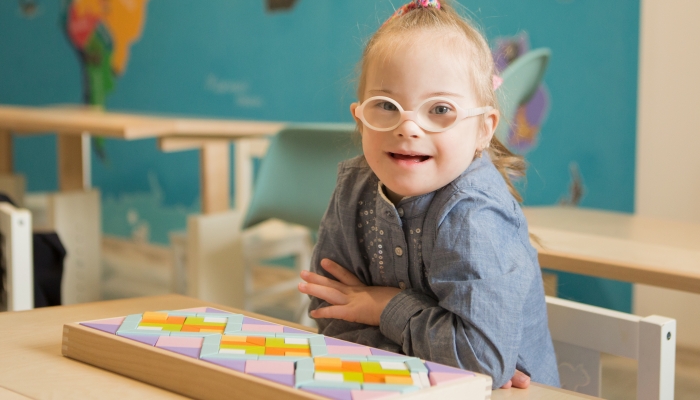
(215, 177)
(5, 152)
(74, 162)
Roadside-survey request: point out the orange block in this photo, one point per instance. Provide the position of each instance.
(230, 339)
(256, 340)
(374, 378)
(157, 317)
(351, 366)
(175, 320)
(297, 353)
(328, 363)
(398, 380)
(201, 328)
(274, 351)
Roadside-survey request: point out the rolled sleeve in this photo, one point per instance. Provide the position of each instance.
(400, 310)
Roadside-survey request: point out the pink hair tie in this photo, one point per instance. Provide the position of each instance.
(497, 82)
(412, 6)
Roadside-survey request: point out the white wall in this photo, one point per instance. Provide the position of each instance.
(668, 141)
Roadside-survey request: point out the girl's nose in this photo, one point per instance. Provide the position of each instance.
(409, 129)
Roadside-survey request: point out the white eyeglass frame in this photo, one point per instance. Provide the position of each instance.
(411, 115)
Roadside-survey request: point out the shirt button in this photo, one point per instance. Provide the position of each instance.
(400, 210)
(388, 213)
(398, 251)
(402, 285)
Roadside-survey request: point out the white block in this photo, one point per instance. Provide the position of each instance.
(393, 365)
(328, 376)
(216, 320)
(231, 351)
(296, 341)
(150, 328)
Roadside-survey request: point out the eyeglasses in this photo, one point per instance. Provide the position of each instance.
(436, 114)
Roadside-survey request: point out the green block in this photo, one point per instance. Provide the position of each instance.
(260, 350)
(130, 322)
(279, 343)
(318, 351)
(353, 377)
(166, 327)
(317, 341)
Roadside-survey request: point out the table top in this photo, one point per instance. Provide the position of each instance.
(73, 119)
(33, 367)
(615, 245)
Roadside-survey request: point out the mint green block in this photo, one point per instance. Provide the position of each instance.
(318, 351)
(317, 341)
(179, 313)
(194, 334)
(302, 377)
(299, 335)
(232, 356)
(130, 322)
(281, 358)
(393, 388)
(333, 385)
(123, 332)
(210, 345)
(232, 328)
(306, 364)
(416, 365)
(236, 317)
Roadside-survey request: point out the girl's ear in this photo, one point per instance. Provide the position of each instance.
(353, 106)
(491, 120)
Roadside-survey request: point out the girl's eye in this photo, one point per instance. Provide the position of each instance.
(388, 106)
(441, 109)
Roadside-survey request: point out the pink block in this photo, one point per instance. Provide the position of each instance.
(373, 394)
(180, 341)
(269, 367)
(262, 328)
(339, 350)
(437, 378)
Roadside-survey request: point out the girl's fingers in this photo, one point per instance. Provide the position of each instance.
(336, 312)
(322, 280)
(507, 385)
(326, 293)
(342, 274)
(520, 380)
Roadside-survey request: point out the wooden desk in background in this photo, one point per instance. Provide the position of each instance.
(619, 246)
(75, 124)
(32, 365)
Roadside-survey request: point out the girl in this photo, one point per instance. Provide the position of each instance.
(424, 248)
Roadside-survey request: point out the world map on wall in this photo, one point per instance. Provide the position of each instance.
(102, 32)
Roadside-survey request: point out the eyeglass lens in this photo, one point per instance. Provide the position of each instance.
(432, 115)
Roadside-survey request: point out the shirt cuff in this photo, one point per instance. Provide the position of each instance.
(400, 310)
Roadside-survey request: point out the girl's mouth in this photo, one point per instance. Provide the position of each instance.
(416, 158)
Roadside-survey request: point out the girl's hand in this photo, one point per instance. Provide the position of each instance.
(519, 380)
(351, 300)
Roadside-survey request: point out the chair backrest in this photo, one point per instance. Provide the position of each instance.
(17, 256)
(581, 332)
(298, 174)
(520, 82)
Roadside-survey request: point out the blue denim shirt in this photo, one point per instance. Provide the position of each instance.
(472, 288)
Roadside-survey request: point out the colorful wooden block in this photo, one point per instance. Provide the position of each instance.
(304, 361)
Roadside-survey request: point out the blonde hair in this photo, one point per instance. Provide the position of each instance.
(448, 19)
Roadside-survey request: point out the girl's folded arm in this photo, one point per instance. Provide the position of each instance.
(480, 279)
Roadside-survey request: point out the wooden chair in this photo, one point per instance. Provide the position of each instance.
(16, 256)
(581, 332)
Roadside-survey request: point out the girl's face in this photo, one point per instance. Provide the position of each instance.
(409, 160)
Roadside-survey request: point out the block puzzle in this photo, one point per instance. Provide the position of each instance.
(302, 361)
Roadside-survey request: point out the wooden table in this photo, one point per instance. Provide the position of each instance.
(617, 246)
(75, 124)
(32, 365)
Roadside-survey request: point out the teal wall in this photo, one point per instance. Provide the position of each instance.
(229, 58)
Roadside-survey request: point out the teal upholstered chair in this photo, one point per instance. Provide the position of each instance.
(291, 193)
(520, 82)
